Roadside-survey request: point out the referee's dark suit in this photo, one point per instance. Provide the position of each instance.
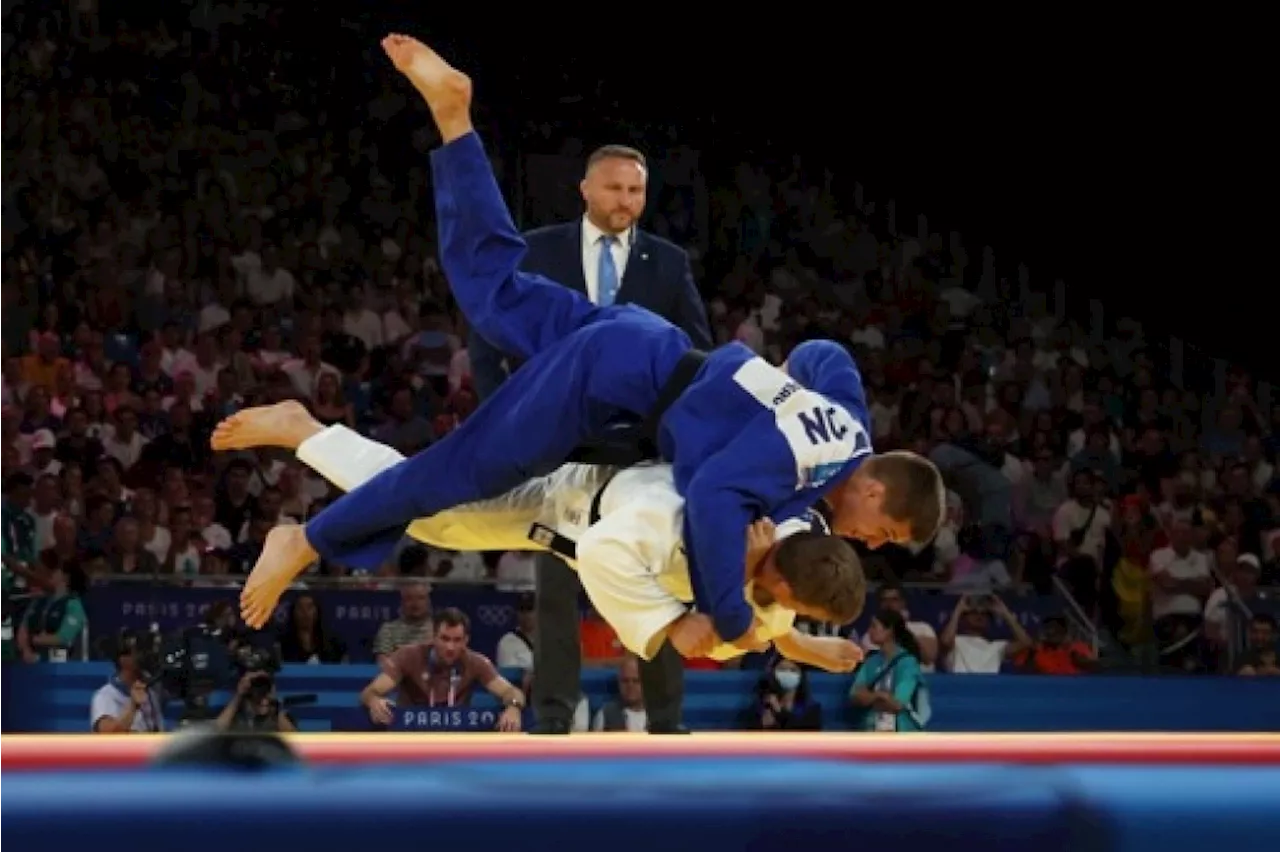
(657, 276)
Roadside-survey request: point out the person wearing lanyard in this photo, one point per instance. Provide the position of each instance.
(8, 635)
(125, 704)
(441, 673)
(52, 623)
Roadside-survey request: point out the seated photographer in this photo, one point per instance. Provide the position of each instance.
(125, 704)
(441, 673)
(255, 707)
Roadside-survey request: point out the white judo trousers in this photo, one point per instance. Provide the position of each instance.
(631, 562)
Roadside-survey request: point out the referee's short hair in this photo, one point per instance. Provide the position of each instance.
(617, 152)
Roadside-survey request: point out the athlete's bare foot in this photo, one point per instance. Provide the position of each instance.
(285, 424)
(446, 90)
(285, 554)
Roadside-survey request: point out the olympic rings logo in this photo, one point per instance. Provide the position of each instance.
(495, 615)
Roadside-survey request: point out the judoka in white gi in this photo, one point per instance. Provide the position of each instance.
(621, 530)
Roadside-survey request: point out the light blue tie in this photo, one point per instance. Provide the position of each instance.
(608, 283)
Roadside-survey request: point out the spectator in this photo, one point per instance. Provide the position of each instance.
(19, 529)
(414, 626)
(627, 711)
(124, 442)
(328, 404)
(127, 555)
(44, 447)
(516, 571)
(1219, 612)
(1080, 530)
(1260, 654)
(892, 597)
(63, 553)
(515, 649)
(887, 687)
(441, 673)
(46, 504)
(1055, 653)
(243, 555)
(304, 638)
(234, 505)
(1181, 583)
(964, 642)
(783, 702)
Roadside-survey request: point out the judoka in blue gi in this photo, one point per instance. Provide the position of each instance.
(745, 440)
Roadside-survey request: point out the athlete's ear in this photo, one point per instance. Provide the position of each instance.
(873, 491)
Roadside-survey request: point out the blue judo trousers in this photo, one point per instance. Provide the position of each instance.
(745, 440)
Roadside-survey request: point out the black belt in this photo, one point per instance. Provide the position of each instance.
(636, 442)
(560, 545)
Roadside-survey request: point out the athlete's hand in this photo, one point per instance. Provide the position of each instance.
(750, 642)
(693, 635)
(760, 539)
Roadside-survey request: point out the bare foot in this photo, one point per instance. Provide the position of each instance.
(446, 90)
(285, 424)
(285, 554)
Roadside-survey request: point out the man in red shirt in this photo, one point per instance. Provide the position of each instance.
(441, 673)
(1056, 653)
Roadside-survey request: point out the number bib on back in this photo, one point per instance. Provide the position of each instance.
(823, 436)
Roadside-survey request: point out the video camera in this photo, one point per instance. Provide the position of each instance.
(193, 663)
(261, 661)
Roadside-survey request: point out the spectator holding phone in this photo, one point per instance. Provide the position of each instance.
(964, 645)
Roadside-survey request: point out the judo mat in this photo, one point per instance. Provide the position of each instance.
(636, 793)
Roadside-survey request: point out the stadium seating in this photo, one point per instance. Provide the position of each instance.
(55, 698)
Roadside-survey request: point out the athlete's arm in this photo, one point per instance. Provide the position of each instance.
(783, 455)
(732, 489)
(619, 561)
(827, 367)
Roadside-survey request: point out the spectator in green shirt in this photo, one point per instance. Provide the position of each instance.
(8, 644)
(17, 522)
(52, 623)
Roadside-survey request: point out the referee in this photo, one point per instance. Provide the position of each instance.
(606, 256)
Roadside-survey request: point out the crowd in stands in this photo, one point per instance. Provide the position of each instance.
(196, 221)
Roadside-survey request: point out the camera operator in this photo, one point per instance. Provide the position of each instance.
(255, 707)
(126, 704)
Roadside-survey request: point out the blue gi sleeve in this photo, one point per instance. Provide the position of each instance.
(743, 482)
(827, 367)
